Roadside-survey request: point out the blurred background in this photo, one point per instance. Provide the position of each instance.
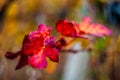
(100, 62)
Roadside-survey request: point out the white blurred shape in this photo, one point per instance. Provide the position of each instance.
(76, 65)
(33, 74)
